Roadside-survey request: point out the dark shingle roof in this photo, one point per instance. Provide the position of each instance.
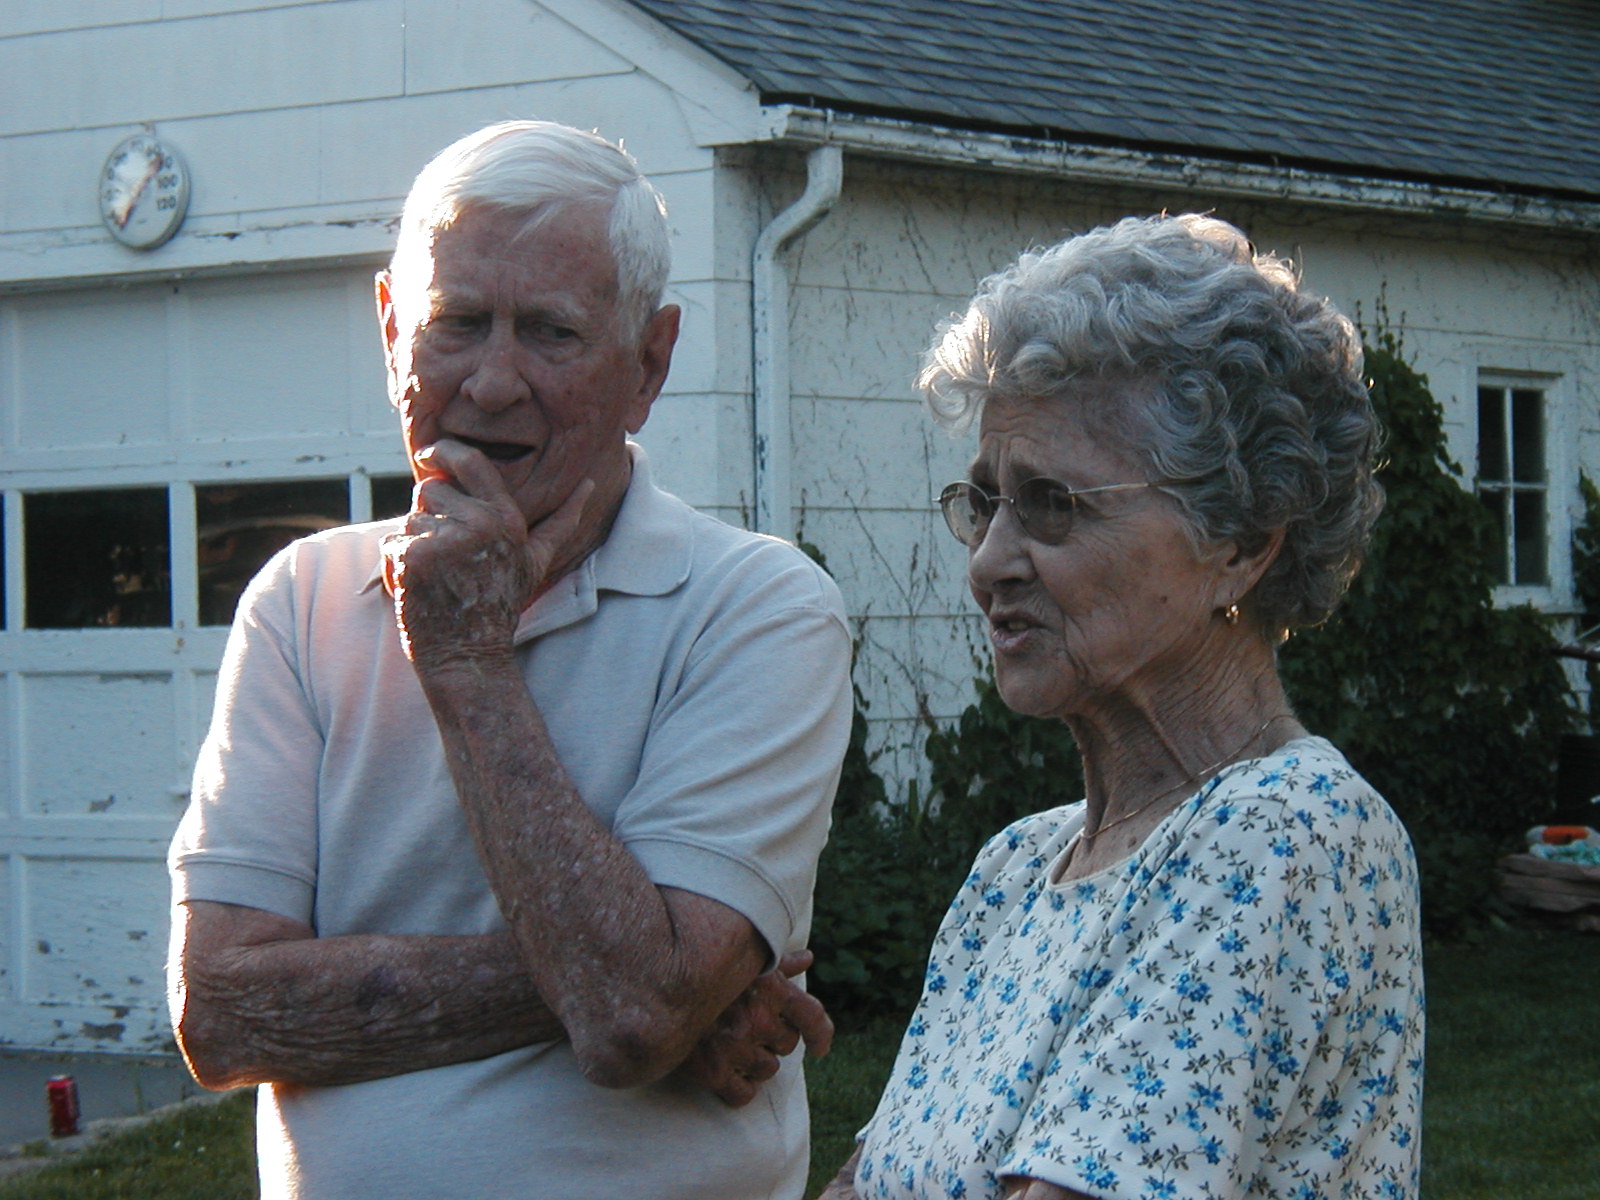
(1498, 93)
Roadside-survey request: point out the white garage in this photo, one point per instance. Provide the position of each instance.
(839, 175)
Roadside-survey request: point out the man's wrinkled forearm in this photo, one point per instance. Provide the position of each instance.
(326, 1011)
(635, 975)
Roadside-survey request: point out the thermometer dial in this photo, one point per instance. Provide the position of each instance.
(144, 192)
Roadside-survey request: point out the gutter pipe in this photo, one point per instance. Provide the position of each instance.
(885, 137)
(773, 439)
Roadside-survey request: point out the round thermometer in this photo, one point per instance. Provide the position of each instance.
(144, 192)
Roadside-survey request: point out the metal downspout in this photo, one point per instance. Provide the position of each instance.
(773, 440)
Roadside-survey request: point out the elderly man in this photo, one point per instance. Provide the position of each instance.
(505, 805)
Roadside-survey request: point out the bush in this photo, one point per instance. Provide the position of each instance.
(1586, 581)
(890, 870)
(1451, 707)
(879, 896)
(1586, 554)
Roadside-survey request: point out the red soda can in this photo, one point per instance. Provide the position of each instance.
(62, 1091)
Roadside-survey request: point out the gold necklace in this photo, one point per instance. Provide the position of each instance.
(1195, 778)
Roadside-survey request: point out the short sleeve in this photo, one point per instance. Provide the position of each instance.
(249, 835)
(739, 769)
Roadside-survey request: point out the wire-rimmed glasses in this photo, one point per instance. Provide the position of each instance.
(1044, 507)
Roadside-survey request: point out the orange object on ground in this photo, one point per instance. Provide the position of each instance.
(1562, 835)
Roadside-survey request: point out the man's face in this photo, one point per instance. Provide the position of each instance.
(517, 350)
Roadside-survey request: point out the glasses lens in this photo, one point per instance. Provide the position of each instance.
(966, 511)
(1045, 508)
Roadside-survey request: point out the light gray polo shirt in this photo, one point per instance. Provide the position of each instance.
(695, 681)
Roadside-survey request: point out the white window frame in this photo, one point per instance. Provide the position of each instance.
(182, 543)
(1560, 484)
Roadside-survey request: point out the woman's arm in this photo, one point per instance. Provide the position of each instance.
(843, 1185)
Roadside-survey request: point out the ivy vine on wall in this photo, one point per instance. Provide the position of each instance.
(1586, 581)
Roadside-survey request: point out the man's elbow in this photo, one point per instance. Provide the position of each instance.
(211, 1052)
(631, 1050)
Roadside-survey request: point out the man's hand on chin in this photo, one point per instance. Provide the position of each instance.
(466, 565)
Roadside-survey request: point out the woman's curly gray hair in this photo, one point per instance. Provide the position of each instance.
(1238, 381)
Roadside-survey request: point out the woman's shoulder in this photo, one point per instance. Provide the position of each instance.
(1034, 838)
(1305, 796)
(1309, 777)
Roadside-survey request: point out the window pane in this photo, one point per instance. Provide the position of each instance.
(1491, 434)
(1527, 435)
(1495, 502)
(97, 558)
(391, 496)
(1530, 544)
(241, 525)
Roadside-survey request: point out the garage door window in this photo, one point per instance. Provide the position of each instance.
(160, 556)
(241, 525)
(97, 559)
(391, 495)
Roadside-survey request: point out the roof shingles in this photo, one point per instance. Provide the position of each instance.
(1499, 93)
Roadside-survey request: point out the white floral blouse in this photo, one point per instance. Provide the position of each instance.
(1234, 1011)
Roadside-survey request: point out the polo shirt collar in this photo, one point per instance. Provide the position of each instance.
(647, 553)
(651, 542)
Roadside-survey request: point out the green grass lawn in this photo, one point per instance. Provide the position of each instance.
(844, 1090)
(204, 1152)
(1512, 1102)
(1513, 1095)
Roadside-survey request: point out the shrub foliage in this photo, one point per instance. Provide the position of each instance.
(1452, 707)
(890, 870)
(1586, 580)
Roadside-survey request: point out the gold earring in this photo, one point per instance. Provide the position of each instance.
(1231, 614)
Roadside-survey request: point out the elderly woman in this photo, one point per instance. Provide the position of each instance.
(1204, 979)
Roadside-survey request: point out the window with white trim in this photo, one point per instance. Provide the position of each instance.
(1514, 478)
(102, 557)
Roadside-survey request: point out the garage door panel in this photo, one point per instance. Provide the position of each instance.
(97, 937)
(244, 384)
(205, 698)
(99, 743)
(91, 373)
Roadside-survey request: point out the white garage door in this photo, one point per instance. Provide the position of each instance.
(157, 443)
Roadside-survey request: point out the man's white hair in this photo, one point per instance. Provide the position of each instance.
(541, 168)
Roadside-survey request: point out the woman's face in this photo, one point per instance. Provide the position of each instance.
(1119, 612)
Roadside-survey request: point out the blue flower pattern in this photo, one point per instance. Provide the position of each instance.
(1235, 1010)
